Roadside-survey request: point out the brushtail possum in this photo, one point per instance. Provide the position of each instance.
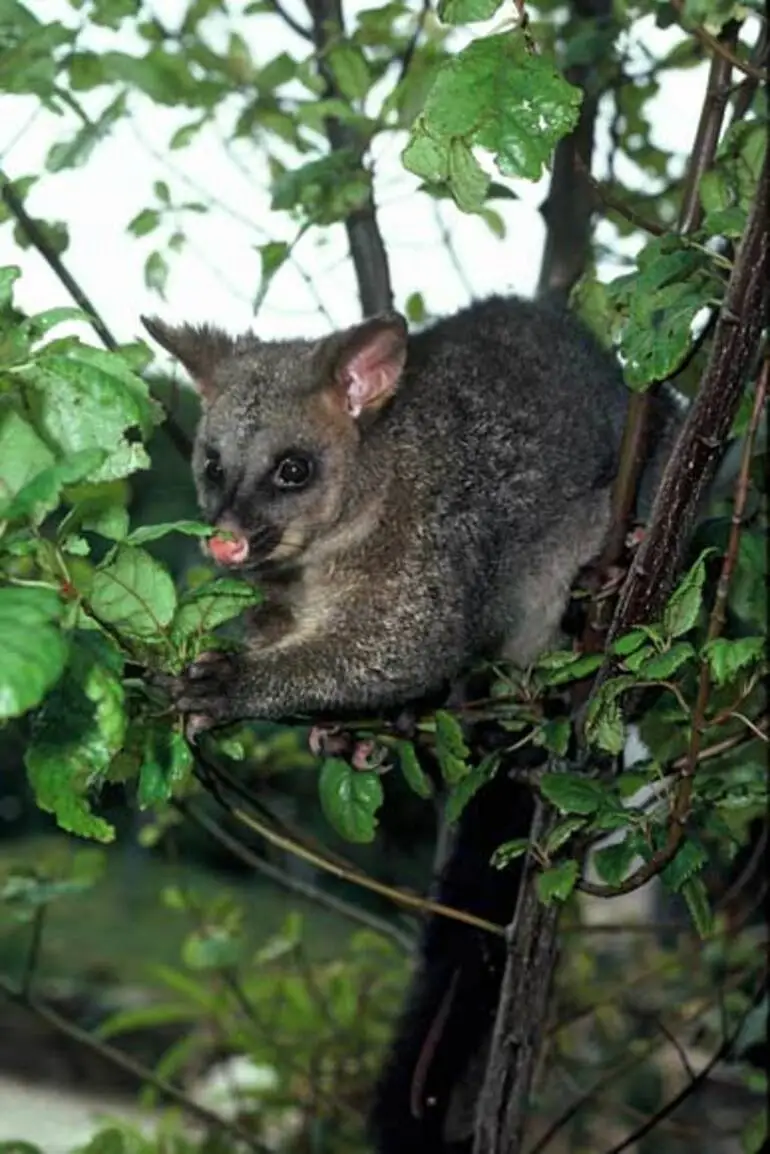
(409, 504)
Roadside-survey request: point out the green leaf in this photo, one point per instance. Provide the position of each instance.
(273, 255)
(558, 882)
(207, 607)
(350, 799)
(425, 155)
(467, 11)
(156, 273)
(325, 190)
(133, 593)
(572, 794)
(147, 533)
(23, 455)
(468, 180)
(214, 948)
(727, 657)
(451, 749)
(34, 652)
(565, 665)
(144, 222)
(554, 735)
(509, 851)
(689, 859)
(350, 69)
(41, 495)
(684, 604)
(84, 398)
(753, 1134)
(497, 94)
(416, 777)
(673, 282)
(562, 832)
(661, 666)
(80, 729)
(167, 763)
(612, 862)
(470, 784)
(604, 725)
(696, 896)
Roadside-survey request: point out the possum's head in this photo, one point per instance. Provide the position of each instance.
(278, 452)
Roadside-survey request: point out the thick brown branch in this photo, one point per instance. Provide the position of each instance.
(568, 208)
(367, 249)
(520, 1025)
(701, 442)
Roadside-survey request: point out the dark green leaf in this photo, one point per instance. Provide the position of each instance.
(662, 665)
(684, 604)
(558, 882)
(207, 607)
(467, 11)
(416, 777)
(690, 858)
(695, 894)
(727, 657)
(612, 862)
(562, 833)
(147, 533)
(509, 851)
(572, 794)
(350, 799)
(470, 784)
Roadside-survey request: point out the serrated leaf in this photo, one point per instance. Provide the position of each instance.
(350, 799)
(681, 612)
(630, 642)
(557, 882)
(727, 657)
(663, 665)
(509, 851)
(469, 785)
(673, 282)
(497, 94)
(604, 726)
(34, 652)
(612, 862)
(425, 155)
(416, 777)
(554, 735)
(451, 750)
(696, 896)
(134, 593)
(84, 398)
(209, 606)
(467, 178)
(579, 666)
(562, 832)
(689, 859)
(572, 794)
(80, 729)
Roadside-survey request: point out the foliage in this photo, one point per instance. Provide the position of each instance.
(92, 613)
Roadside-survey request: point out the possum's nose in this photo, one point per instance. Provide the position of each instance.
(231, 550)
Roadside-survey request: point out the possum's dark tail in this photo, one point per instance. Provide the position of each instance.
(426, 1099)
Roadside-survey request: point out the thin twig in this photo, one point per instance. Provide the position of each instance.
(723, 1050)
(123, 1062)
(297, 885)
(289, 20)
(718, 46)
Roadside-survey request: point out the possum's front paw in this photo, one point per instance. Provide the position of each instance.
(207, 692)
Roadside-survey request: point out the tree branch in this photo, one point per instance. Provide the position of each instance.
(717, 45)
(680, 811)
(142, 1074)
(367, 249)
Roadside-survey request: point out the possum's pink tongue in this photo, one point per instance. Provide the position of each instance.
(229, 550)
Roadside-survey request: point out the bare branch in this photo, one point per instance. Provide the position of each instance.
(367, 249)
(718, 46)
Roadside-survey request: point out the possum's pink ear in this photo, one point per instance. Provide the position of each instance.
(369, 362)
(200, 348)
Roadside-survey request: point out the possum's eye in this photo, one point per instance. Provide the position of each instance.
(293, 471)
(212, 467)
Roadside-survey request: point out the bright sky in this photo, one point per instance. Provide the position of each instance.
(215, 277)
